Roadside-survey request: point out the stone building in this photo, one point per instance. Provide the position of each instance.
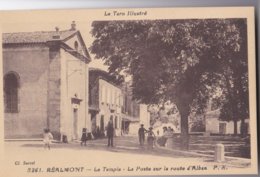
(105, 101)
(211, 124)
(216, 126)
(45, 83)
(133, 113)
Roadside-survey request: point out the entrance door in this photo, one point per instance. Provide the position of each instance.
(125, 126)
(222, 128)
(75, 123)
(93, 122)
(102, 126)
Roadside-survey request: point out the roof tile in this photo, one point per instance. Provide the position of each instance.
(35, 37)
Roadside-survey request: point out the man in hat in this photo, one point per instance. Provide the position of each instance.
(110, 132)
(141, 134)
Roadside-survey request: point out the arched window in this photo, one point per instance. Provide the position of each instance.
(11, 85)
(76, 45)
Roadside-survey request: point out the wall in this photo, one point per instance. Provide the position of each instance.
(74, 80)
(212, 126)
(31, 63)
(133, 128)
(109, 104)
(93, 92)
(144, 116)
(54, 72)
(130, 106)
(212, 123)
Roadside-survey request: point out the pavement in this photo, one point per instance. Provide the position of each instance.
(126, 144)
(126, 153)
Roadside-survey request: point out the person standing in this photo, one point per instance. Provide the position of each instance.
(84, 137)
(150, 138)
(141, 134)
(47, 137)
(110, 132)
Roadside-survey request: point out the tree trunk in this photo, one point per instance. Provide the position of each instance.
(183, 102)
(243, 128)
(184, 111)
(235, 127)
(184, 131)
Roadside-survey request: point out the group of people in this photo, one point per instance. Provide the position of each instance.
(110, 134)
(168, 132)
(97, 133)
(150, 136)
(48, 137)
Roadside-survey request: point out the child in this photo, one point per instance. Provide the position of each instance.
(47, 137)
(84, 137)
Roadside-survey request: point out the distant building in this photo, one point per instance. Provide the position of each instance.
(210, 122)
(216, 126)
(45, 83)
(133, 113)
(105, 101)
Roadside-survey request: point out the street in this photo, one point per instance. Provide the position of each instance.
(96, 158)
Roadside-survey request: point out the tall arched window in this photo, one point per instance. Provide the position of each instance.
(11, 85)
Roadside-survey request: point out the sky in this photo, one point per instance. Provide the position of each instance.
(83, 27)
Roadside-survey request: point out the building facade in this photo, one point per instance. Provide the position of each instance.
(133, 113)
(109, 99)
(105, 102)
(45, 83)
(216, 126)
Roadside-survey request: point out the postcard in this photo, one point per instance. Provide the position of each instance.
(128, 92)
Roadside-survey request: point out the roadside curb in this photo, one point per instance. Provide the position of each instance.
(184, 152)
(228, 160)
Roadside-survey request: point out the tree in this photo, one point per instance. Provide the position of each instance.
(234, 101)
(177, 60)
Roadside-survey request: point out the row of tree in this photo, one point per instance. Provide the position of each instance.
(186, 62)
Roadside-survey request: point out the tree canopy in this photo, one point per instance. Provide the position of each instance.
(185, 61)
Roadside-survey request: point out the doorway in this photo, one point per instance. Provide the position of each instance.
(75, 123)
(222, 128)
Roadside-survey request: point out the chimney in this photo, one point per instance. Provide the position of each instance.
(56, 35)
(73, 26)
(57, 29)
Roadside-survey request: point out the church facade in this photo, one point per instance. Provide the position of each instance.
(45, 83)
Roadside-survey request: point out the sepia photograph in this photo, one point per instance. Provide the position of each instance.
(129, 92)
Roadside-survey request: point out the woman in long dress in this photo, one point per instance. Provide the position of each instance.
(150, 138)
